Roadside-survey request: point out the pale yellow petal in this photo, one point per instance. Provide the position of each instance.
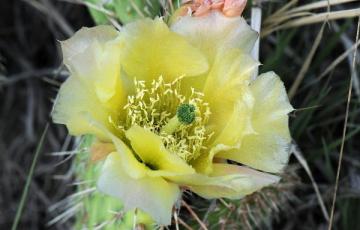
(150, 149)
(155, 196)
(215, 33)
(83, 38)
(93, 54)
(131, 165)
(240, 181)
(167, 164)
(231, 122)
(204, 163)
(152, 50)
(268, 149)
(198, 179)
(73, 102)
(229, 69)
(228, 94)
(231, 102)
(229, 128)
(226, 180)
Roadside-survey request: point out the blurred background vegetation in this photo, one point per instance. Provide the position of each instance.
(311, 50)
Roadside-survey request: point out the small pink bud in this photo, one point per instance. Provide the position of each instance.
(234, 8)
(203, 9)
(198, 8)
(217, 4)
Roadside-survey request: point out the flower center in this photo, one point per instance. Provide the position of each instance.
(186, 113)
(178, 119)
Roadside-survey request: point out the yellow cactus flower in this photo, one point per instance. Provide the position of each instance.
(170, 105)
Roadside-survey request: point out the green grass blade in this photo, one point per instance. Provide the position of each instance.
(28, 179)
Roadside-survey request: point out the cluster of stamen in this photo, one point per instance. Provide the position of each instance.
(154, 104)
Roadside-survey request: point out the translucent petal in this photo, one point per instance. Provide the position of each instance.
(93, 54)
(226, 180)
(240, 181)
(198, 179)
(268, 148)
(151, 50)
(74, 100)
(231, 106)
(83, 38)
(204, 163)
(131, 165)
(232, 103)
(231, 120)
(153, 195)
(215, 33)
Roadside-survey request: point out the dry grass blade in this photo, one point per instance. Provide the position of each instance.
(170, 3)
(282, 13)
(194, 215)
(282, 9)
(48, 9)
(185, 225)
(341, 14)
(347, 43)
(339, 59)
(304, 164)
(299, 78)
(274, 23)
(281, 18)
(344, 133)
(320, 4)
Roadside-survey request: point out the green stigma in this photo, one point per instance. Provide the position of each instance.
(186, 113)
